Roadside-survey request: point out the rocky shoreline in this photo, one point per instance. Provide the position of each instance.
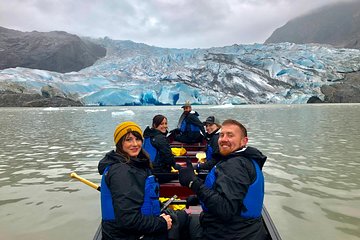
(13, 95)
(345, 91)
(35, 100)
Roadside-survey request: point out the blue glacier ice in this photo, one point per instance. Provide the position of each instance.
(138, 74)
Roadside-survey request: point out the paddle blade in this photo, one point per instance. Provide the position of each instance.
(200, 155)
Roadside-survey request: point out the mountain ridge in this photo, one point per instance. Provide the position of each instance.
(53, 51)
(336, 24)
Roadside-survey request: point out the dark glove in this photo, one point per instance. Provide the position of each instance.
(192, 200)
(172, 134)
(177, 166)
(187, 175)
(175, 131)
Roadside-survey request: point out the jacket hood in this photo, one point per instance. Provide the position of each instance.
(255, 154)
(152, 132)
(248, 152)
(195, 113)
(109, 159)
(209, 135)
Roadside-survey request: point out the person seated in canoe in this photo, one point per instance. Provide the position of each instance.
(212, 126)
(232, 193)
(158, 147)
(189, 129)
(130, 203)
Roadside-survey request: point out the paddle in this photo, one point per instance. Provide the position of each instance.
(87, 182)
(171, 201)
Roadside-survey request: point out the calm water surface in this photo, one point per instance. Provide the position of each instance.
(312, 172)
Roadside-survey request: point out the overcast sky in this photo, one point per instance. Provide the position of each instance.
(163, 23)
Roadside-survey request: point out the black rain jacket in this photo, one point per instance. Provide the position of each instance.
(212, 141)
(164, 159)
(235, 173)
(193, 118)
(126, 181)
(189, 136)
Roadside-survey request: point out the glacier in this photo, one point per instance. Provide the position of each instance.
(138, 74)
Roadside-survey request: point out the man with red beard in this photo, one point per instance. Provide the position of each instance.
(233, 192)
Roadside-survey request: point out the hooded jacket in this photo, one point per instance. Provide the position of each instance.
(191, 129)
(192, 118)
(224, 202)
(126, 181)
(164, 159)
(212, 142)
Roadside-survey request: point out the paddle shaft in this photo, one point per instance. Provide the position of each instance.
(171, 201)
(87, 182)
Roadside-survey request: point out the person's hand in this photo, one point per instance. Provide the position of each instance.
(167, 219)
(192, 200)
(187, 175)
(177, 166)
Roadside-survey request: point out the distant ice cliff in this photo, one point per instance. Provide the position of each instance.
(138, 74)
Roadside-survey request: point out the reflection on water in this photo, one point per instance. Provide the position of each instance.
(312, 183)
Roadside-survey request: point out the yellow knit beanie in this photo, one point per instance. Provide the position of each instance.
(125, 127)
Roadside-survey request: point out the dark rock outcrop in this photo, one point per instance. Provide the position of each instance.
(54, 51)
(346, 91)
(50, 92)
(337, 25)
(14, 95)
(315, 99)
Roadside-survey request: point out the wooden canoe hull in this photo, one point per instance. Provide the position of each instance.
(270, 227)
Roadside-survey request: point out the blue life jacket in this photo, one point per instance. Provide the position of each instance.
(188, 127)
(253, 201)
(209, 152)
(150, 149)
(254, 198)
(107, 208)
(151, 205)
(209, 182)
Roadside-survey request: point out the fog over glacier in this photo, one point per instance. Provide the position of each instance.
(138, 74)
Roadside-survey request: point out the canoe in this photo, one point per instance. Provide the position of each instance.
(172, 188)
(273, 233)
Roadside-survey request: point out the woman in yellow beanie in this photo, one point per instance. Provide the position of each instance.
(129, 192)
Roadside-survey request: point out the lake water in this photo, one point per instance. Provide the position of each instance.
(312, 173)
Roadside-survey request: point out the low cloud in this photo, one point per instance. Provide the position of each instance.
(164, 23)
